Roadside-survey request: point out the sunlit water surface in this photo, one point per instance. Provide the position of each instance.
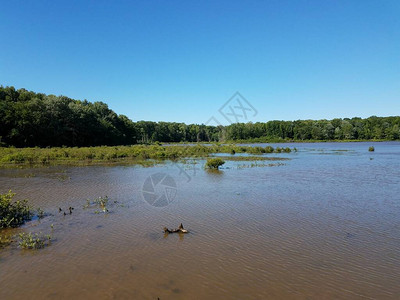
(325, 225)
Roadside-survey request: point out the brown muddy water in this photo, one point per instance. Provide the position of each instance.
(325, 225)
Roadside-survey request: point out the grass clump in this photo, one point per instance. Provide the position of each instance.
(5, 241)
(33, 241)
(13, 214)
(101, 202)
(371, 149)
(214, 163)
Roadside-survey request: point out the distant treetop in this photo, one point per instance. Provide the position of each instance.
(29, 119)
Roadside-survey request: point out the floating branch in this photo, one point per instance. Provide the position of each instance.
(180, 229)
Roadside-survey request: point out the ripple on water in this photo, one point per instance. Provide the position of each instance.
(322, 226)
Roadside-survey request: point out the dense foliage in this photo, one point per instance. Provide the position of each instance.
(34, 119)
(13, 214)
(31, 119)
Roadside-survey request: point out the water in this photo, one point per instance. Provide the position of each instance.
(324, 225)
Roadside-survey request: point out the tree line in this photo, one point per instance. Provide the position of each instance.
(29, 119)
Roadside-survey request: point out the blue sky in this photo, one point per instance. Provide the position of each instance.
(182, 60)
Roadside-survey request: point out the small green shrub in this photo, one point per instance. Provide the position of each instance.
(13, 214)
(214, 163)
(33, 241)
(371, 149)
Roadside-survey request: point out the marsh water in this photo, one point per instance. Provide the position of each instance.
(323, 225)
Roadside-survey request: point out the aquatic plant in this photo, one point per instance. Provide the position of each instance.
(29, 175)
(101, 202)
(214, 163)
(257, 150)
(63, 177)
(13, 214)
(371, 149)
(5, 240)
(257, 165)
(33, 241)
(136, 154)
(269, 149)
(40, 213)
(87, 205)
(280, 150)
(252, 158)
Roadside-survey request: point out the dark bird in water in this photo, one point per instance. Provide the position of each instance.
(70, 209)
(65, 213)
(59, 209)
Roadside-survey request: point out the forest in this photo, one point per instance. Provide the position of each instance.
(29, 119)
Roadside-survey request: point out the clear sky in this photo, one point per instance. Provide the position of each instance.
(182, 60)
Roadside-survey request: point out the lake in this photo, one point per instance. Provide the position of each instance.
(324, 224)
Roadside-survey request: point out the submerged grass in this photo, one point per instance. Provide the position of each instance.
(5, 240)
(101, 203)
(257, 165)
(146, 155)
(252, 158)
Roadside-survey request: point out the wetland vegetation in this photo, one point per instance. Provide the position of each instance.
(214, 163)
(16, 213)
(13, 213)
(33, 240)
(5, 240)
(140, 154)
